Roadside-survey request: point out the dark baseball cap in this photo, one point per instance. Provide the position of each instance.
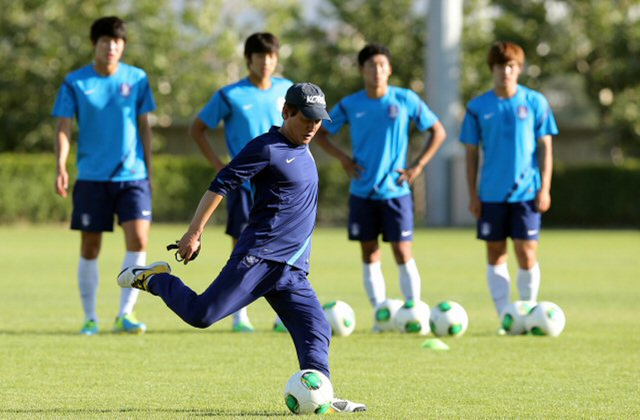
(309, 99)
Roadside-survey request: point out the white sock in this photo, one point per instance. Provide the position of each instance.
(499, 285)
(410, 280)
(129, 296)
(374, 282)
(88, 279)
(242, 315)
(529, 283)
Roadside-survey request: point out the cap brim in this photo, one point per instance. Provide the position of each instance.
(315, 113)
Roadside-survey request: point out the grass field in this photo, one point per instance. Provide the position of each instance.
(175, 371)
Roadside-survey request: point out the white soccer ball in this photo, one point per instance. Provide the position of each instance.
(308, 391)
(448, 318)
(384, 314)
(546, 318)
(341, 317)
(513, 316)
(413, 317)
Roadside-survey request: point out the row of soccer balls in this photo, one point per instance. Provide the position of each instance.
(448, 318)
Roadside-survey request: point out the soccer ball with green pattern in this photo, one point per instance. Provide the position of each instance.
(513, 316)
(308, 392)
(341, 317)
(385, 314)
(546, 318)
(413, 317)
(448, 318)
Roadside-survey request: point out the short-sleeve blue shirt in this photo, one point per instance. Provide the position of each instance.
(247, 111)
(284, 179)
(379, 129)
(507, 130)
(107, 110)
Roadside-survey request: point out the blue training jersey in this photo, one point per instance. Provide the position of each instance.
(284, 178)
(247, 111)
(507, 129)
(107, 110)
(379, 129)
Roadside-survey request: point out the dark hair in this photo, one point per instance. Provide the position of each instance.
(370, 50)
(293, 109)
(503, 51)
(261, 42)
(111, 26)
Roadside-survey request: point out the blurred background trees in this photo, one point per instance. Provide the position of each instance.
(582, 53)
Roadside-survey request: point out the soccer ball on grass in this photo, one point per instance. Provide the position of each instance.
(308, 391)
(513, 316)
(385, 314)
(341, 317)
(448, 318)
(546, 318)
(413, 317)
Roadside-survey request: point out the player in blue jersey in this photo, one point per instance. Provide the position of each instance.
(512, 125)
(271, 258)
(379, 118)
(110, 101)
(248, 108)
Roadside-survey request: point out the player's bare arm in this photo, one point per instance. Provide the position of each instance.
(190, 242)
(545, 162)
(197, 131)
(472, 156)
(352, 169)
(436, 137)
(62, 145)
(145, 135)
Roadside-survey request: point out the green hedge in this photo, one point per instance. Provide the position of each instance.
(582, 196)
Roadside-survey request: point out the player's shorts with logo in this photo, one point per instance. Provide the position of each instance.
(96, 202)
(392, 217)
(519, 220)
(239, 202)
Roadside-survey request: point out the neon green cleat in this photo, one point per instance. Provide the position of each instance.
(129, 324)
(90, 327)
(279, 327)
(243, 327)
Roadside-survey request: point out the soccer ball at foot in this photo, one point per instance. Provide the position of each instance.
(448, 318)
(385, 314)
(413, 317)
(513, 316)
(546, 318)
(308, 391)
(340, 316)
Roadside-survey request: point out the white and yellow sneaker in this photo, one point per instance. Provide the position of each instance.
(137, 276)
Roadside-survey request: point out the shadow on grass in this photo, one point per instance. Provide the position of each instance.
(151, 332)
(133, 411)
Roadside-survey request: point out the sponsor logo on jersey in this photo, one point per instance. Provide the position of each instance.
(247, 107)
(523, 112)
(488, 116)
(125, 89)
(290, 160)
(360, 114)
(280, 103)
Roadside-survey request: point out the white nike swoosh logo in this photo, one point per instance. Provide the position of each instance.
(89, 92)
(360, 114)
(290, 160)
(488, 116)
(405, 233)
(247, 106)
(532, 232)
(146, 212)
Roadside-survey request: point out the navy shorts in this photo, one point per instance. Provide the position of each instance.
(393, 218)
(239, 202)
(96, 202)
(520, 220)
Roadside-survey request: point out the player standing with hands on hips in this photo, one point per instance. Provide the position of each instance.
(380, 199)
(248, 108)
(111, 101)
(513, 125)
(271, 258)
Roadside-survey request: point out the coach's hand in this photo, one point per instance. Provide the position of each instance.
(189, 247)
(408, 175)
(543, 200)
